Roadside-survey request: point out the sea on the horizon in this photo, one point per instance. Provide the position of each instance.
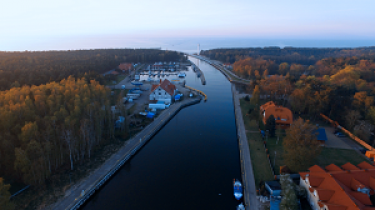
(189, 45)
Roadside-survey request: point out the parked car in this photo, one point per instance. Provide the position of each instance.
(338, 134)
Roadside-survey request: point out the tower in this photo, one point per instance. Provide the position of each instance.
(199, 49)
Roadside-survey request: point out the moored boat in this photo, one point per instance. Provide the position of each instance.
(237, 187)
(181, 74)
(241, 207)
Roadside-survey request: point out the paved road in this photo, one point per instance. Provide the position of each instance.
(73, 195)
(246, 166)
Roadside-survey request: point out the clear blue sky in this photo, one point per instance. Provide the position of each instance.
(29, 23)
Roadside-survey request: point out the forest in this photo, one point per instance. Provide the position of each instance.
(45, 127)
(36, 68)
(303, 56)
(342, 88)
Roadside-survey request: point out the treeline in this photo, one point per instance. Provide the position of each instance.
(46, 127)
(341, 88)
(250, 68)
(303, 56)
(36, 68)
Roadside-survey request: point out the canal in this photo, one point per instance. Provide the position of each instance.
(189, 164)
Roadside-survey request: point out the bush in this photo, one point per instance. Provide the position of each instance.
(247, 98)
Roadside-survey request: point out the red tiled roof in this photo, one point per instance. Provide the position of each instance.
(335, 207)
(165, 85)
(365, 165)
(349, 166)
(337, 189)
(315, 181)
(325, 195)
(125, 66)
(362, 198)
(316, 168)
(114, 73)
(333, 167)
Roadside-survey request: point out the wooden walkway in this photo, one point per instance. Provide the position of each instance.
(80, 192)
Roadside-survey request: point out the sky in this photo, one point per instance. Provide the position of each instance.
(74, 24)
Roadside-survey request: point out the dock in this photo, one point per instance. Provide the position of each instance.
(199, 73)
(200, 92)
(81, 192)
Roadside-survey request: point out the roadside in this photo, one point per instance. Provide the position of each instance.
(246, 162)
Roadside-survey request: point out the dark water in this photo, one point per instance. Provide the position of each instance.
(189, 164)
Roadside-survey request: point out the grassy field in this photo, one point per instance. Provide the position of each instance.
(261, 166)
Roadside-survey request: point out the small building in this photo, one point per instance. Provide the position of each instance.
(321, 135)
(283, 116)
(165, 91)
(125, 66)
(273, 187)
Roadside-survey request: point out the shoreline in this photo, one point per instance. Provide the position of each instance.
(103, 173)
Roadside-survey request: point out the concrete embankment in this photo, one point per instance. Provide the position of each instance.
(198, 91)
(79, 193)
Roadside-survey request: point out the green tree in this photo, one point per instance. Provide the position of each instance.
(300, 145)
(271, 125)
(5, 204)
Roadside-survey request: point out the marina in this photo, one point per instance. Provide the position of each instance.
(167, 157)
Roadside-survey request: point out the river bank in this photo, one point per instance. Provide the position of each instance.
(83, 190)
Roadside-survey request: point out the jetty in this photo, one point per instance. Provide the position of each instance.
(199, 91)
(199, 73)
(81, 192)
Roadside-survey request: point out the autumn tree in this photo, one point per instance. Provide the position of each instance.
(5, 203)
(255, 98)
(351, 118)
(300, 145)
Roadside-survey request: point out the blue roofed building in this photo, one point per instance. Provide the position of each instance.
(321, 135)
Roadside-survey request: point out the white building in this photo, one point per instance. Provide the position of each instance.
(164, 91)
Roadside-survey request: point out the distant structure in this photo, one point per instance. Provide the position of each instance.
(199, 50)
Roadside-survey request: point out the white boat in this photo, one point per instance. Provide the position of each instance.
(237, 187)
(241, 207)
(182, 74)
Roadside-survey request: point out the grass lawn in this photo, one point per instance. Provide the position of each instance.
(338, 157)
(261, 166)
(274, 146)
(327, 156)
(250, 125)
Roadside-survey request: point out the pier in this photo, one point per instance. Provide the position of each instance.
(80, 193)
(200, 92)
(199, 73)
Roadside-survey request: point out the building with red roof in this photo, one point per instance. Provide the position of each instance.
(163, 92)
(283, 116)
(340, 188)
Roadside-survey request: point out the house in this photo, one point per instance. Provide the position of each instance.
(340, 188)
(283, 116)
(273, 187)
(114, 73)
(125, 66)
(164, 91)
(321, 135)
